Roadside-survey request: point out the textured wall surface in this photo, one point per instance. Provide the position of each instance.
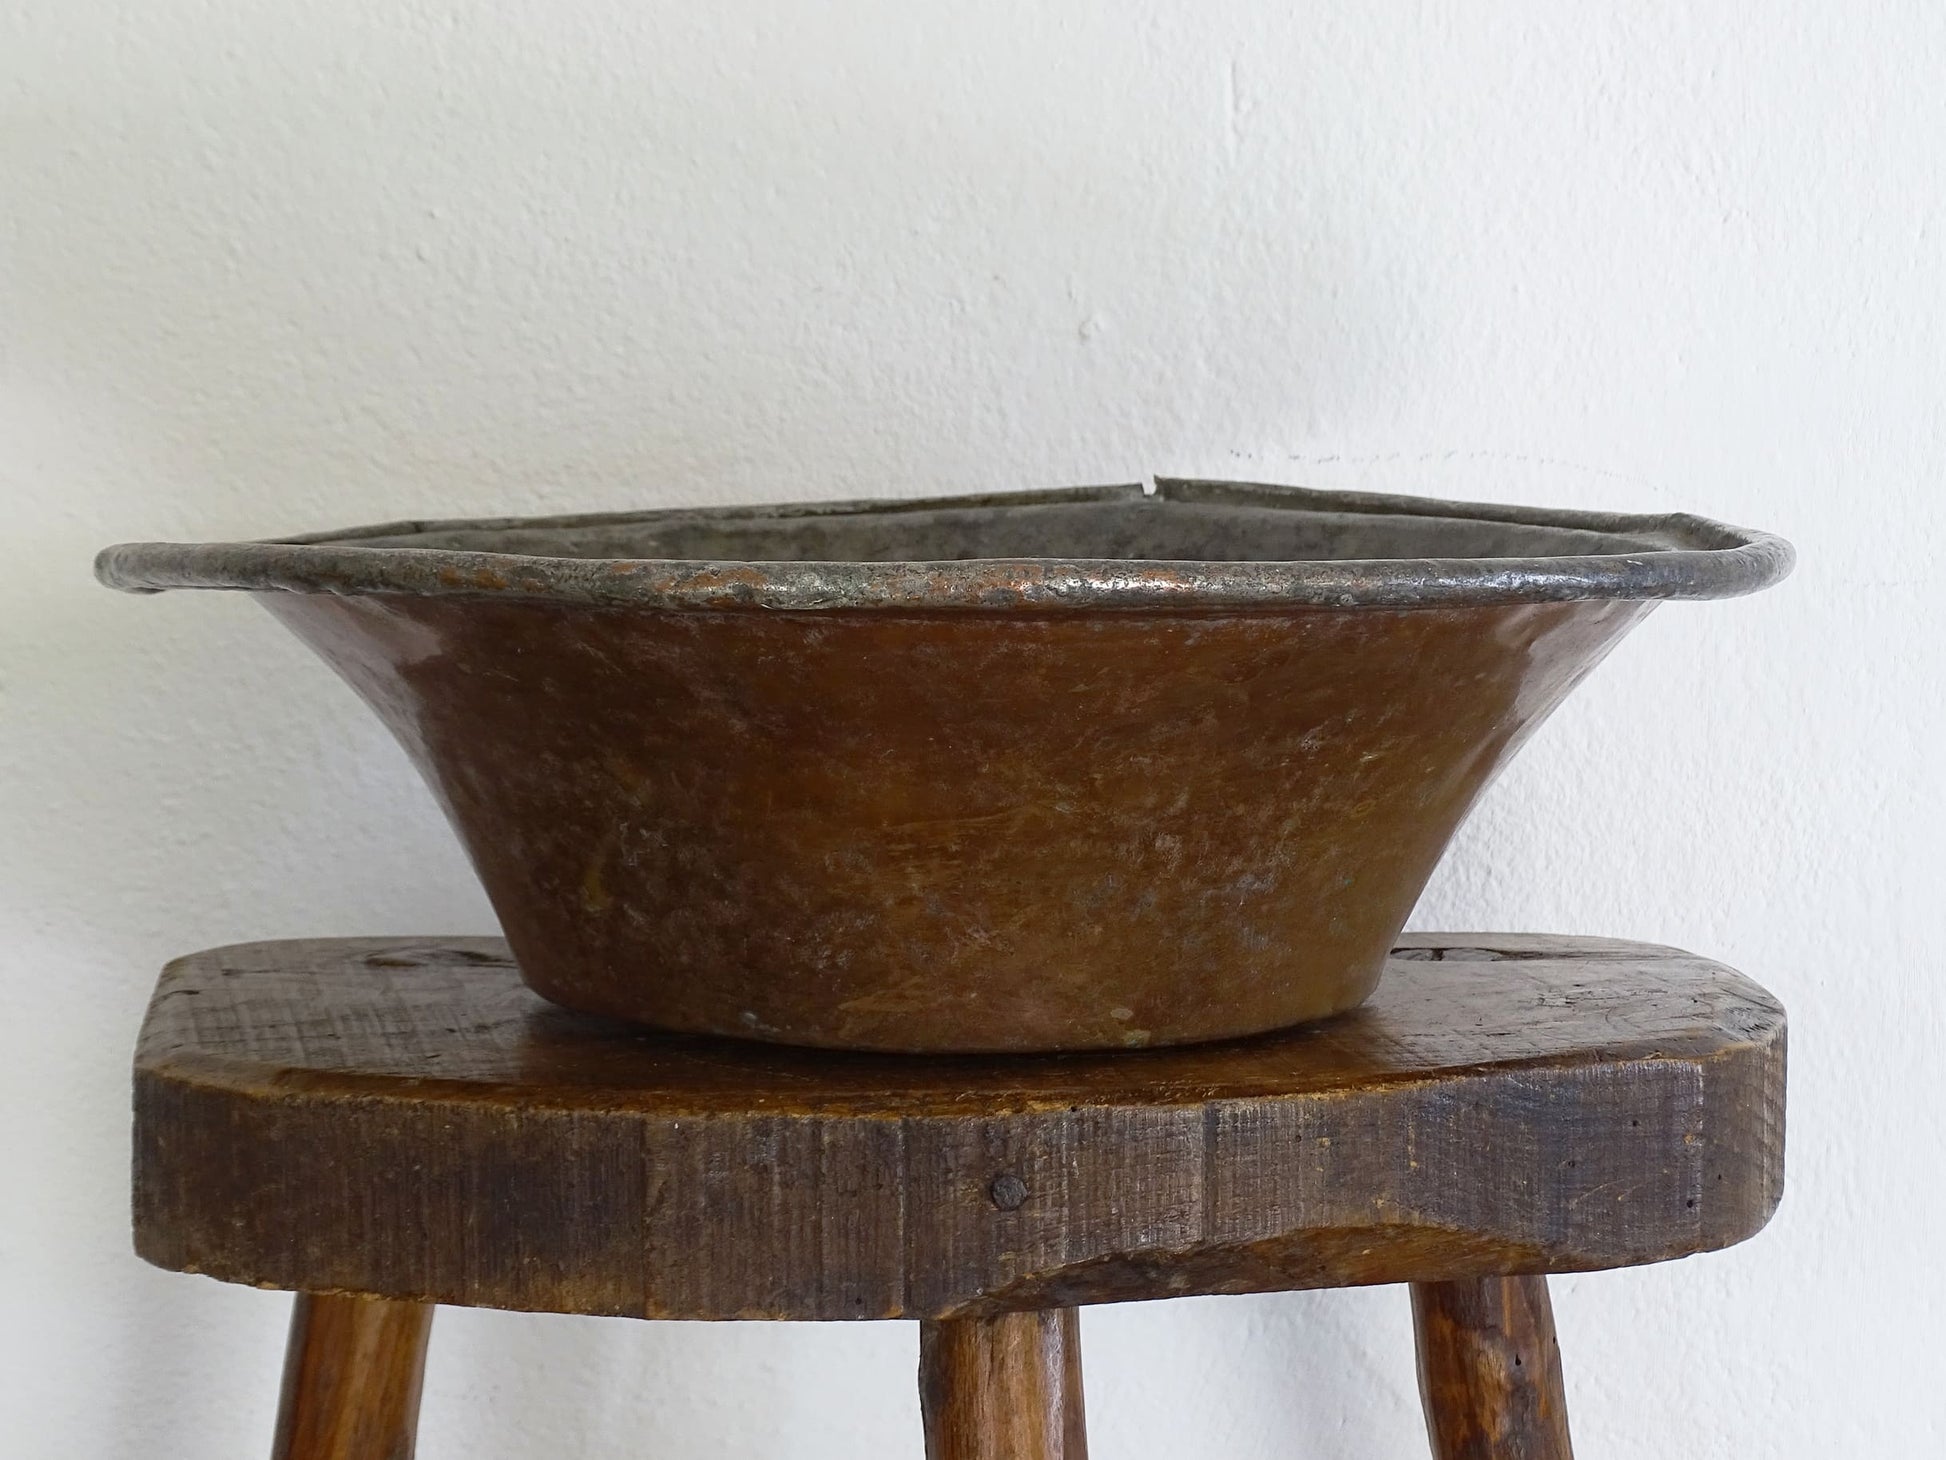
(270, 267)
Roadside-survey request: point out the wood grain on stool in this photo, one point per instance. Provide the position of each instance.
(352, 1375)
(403, 1117)
(1005, 1388)
(1490, 1370)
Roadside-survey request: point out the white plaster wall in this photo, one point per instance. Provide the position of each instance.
(270, 267)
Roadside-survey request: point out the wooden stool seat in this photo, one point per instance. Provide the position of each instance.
(401, 1119)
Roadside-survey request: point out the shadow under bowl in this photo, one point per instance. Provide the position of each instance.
(1080, 769)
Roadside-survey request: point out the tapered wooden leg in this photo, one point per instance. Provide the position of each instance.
(351, 1379)
(1006, 1388)
(1490, 1370)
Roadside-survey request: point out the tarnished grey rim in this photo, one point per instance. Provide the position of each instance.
(1692, 557)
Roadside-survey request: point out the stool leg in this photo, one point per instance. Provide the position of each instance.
(1490, 1370)
(351, 1379)
(1006, 1388)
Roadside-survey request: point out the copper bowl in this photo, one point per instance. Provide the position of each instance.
(1050, 770)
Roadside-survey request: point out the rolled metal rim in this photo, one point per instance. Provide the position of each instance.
(1672, 556)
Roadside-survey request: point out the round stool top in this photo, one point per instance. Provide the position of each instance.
(400, 1116)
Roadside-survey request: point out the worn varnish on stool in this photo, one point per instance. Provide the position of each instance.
(402, 1118)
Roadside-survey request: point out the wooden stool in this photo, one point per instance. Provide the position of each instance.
(387, 1124)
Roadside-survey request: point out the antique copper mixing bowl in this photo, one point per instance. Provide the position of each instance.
(1049, 770)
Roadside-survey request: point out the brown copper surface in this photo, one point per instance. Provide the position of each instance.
(958, 831)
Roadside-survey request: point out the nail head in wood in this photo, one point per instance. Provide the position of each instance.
(1008, 1191)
